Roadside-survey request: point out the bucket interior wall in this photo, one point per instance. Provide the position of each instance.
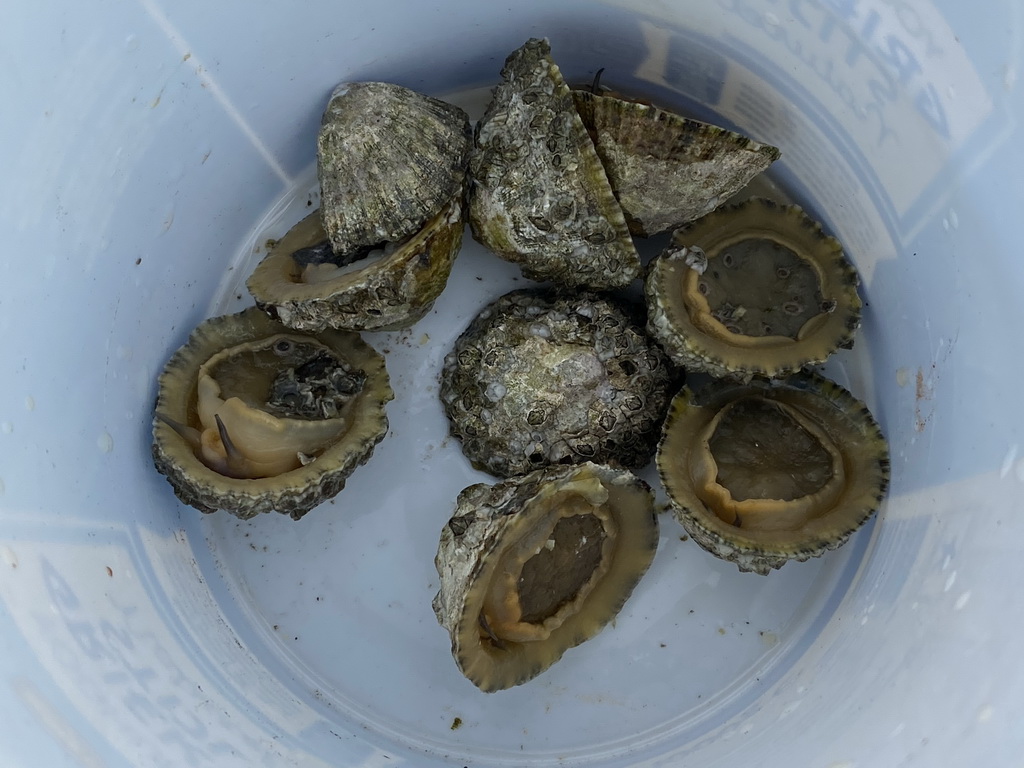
(148, 149)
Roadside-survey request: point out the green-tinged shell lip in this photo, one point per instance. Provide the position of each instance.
(389, 292)
(665, 169)
(486, 524)
(702, 340)
(851, 430)
(294, 492)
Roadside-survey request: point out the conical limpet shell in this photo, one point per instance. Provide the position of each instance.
(540, 197)
(541, 377)
(388, 159)
(383, 289)
(667, 170)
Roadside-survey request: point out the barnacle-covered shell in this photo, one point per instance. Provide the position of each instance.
(388, 159)
(540, 197)
(252, 417)
(667, 170)
(771, 471)
(536, 565)
(752, 289)
(542, 378)
(387, 288)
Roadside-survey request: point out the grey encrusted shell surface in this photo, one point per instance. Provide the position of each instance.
(490, 520)
(821, 517)
(540, 197)
(391, 292)
(388, 159)
(754, 289)
(541, 377)
(667, 170)
(295, 492)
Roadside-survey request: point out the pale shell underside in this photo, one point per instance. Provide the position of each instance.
(389, 292)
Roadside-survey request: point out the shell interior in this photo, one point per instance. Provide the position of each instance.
(386, 287)
(538, 564)
(765, 472)
(239, 360)
(755, 289)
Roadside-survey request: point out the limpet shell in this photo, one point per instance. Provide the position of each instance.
(667, 170)
(752, 289)
(533, 566)
(390, 288)
(772, 470)
(542, 377)
(256, 378)
(388, 159)
(539, 195)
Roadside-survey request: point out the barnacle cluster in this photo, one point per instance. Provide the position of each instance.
(544, 378)
(559, 391)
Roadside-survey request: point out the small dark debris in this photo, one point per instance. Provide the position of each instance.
(275, 627)
(663, 645)
(456, 723)
(137, 262)
(684, 537)
(110, 572)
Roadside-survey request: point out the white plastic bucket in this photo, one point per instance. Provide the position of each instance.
(147, 149)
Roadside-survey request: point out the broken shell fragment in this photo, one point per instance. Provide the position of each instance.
(667, 170)
(543, 378)
(251, 417)
(771, 471)
(303, 283)
(540, 197)
(536, 565)
(388, 159)
(752, 289)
